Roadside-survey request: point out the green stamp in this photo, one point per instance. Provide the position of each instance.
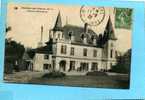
(123, 18)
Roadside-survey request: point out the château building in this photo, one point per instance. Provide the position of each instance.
(72, 48)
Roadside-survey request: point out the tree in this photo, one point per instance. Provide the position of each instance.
(31, 52)
(13, 54)
(123, 63)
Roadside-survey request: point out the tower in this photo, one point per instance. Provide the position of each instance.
(109, 45)
(40, 43)
(56, 32)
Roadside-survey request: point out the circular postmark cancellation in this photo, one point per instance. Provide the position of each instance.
(92, 15)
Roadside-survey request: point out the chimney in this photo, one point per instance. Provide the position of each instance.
(41, 33)
(71, 36)
(86, 28)
(40, 44)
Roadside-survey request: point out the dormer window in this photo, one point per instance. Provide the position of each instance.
(82, 36)
(70, 33)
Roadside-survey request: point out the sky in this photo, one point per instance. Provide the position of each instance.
(26, 21)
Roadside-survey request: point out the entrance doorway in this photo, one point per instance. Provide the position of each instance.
(94, 67)
(84, 66)
(72, 66)
(62, 65)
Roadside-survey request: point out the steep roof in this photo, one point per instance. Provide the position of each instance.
(58, 23)
(44, 50)
(77, 32)
(109, 31)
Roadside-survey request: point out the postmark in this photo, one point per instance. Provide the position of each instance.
(92, 15)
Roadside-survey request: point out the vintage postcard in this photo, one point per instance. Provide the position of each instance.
(64, 45)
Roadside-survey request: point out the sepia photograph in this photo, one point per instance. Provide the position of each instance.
(68, 45)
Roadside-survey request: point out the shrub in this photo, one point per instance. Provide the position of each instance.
(96, 73)
(120, 69)
(8, 68)
(54, 74)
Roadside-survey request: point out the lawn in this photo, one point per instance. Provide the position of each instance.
(86, 81)
(100, 81)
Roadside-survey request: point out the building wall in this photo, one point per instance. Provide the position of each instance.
(77, 63)
(39, 61)
(108, 61)
(78, 55)
(78, 52)
(103, 58)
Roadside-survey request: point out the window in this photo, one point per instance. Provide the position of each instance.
(58, 36)
(84, 66)
(82, 36)
(111, 53)
(45, 66)
(70, 33)
(72, 65)
(95, 53)
(94, 66)
(85, 52)
(46, 56)
(72, 51)
(63, 49)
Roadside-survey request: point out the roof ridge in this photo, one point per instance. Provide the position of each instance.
(75, 26)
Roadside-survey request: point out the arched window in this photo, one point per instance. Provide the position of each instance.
(111, 53)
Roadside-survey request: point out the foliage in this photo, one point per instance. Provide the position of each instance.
(123, 63)
(14, 49)
(54, 74)
(13, 53)
(96, 73)
(31, 52)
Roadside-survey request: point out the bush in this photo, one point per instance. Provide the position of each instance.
(120, 69)
(54, 74)
(8, 68)
(96, 73)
